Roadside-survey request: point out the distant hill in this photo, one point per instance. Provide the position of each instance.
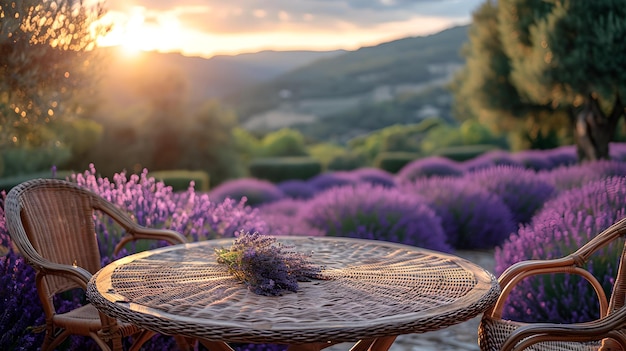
(351, 80)
(215, 77)
(328, 95)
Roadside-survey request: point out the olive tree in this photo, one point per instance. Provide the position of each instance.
(556, 58)
(47, 65)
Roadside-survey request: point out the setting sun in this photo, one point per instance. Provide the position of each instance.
(141, 31)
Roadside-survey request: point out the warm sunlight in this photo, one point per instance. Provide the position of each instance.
(142, 31)
(202, 30)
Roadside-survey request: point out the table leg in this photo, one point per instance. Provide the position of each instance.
(378, 344)
(363, 345)
(216, 345)
(383, 344)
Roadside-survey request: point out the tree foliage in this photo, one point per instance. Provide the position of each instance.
(536, 64)
(46, 69)
(284, 142)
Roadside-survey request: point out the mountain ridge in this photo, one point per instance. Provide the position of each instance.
(297, 83)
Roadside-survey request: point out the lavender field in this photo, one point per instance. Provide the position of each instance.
(527, 205)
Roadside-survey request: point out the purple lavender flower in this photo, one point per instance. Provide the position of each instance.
(262, 265)
(536, 160)
(562, 226)
(256, 191)
(569, 177)
(329, 180)
(374, 176)
(472, 217)
(297, 189)
(153, 204)
(562, 156)
(617, 151)
(375, 212)
(20, 307)
(429, 167)
(522, 190)
(490, 159)
(283, 218)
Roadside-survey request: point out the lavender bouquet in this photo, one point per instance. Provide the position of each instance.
(260, 263)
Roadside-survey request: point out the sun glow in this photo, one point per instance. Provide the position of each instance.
(140, 31)
(135, 29)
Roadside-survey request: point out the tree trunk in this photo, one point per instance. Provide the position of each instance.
(594, 129)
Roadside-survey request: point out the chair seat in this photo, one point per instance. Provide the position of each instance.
(88, 321)
(492, 333)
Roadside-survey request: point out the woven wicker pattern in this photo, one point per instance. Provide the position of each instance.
(374, 289)
(607, 333)
(494, 332)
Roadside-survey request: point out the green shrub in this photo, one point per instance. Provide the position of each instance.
(278, 169)
(464, 153)
(347, 161)
(179, 179)
(392, 162)
(6, 183)
(31, 160)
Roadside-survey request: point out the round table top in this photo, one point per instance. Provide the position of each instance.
(375, 289)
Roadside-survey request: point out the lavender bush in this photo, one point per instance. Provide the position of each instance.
(570, 177)
(153, 204)
(562, 156)
(20, 308)
(256, 191)
(472, 217)
(283, 218)
(330, 180)
(429, 167)
(490, 159)
(522, 190)
(375, 212)
(617, 151)
(297, 189)
(536, 160)
(562, 226)
(374, 176)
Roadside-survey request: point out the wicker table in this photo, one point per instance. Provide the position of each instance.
(378, 290)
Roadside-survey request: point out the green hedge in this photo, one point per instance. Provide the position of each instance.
(278, 169)
(6, 183)
(346, 162)
(392, 162)
(464, 153)
(179, 179)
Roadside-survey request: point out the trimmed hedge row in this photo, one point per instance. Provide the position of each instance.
(278, 169)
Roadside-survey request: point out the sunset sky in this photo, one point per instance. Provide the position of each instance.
(208, 27)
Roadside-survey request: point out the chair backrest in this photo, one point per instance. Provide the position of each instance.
(52, 221)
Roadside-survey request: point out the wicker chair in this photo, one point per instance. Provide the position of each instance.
(608, 332)
(51, 224)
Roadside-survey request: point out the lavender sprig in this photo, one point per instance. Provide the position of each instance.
(260, 263)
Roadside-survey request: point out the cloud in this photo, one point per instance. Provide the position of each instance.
(240, 16)
(206, 27)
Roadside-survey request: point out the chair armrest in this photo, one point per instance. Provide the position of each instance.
(135, 231)
(74, 273)
(138, 232)
(521, 270)
(604, 327)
